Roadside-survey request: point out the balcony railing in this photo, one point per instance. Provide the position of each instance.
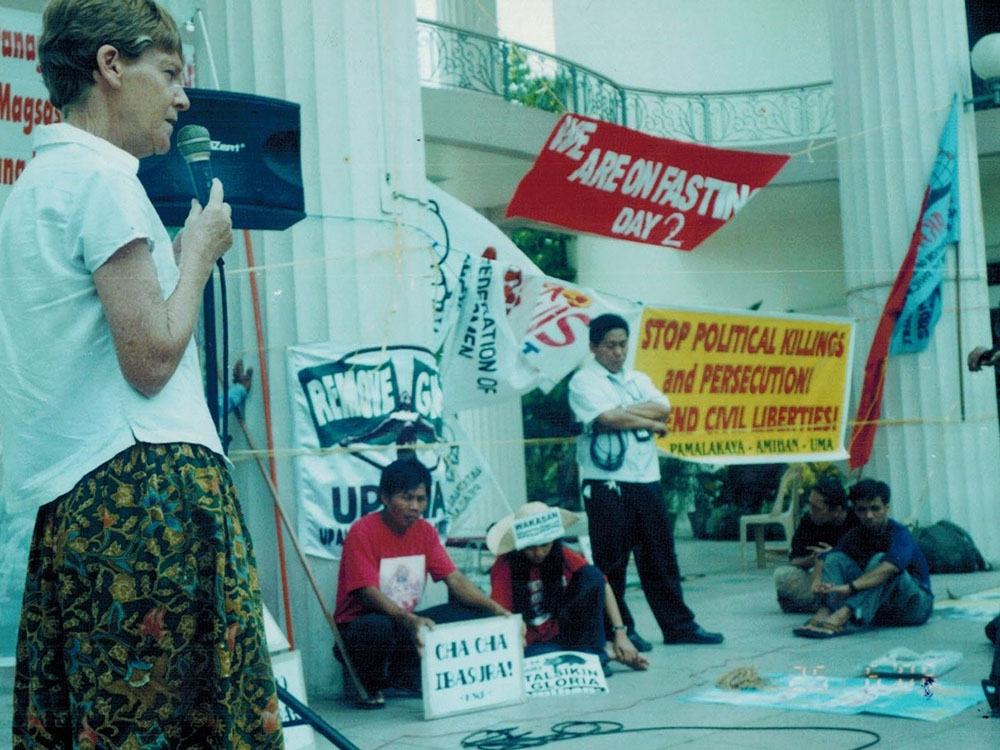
(454, 58)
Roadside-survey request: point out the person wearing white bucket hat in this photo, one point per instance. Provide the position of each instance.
(562, 598)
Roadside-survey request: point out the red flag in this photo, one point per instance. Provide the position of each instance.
(598, 177)
(870, 401)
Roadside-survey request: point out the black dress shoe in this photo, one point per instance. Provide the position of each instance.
(640, 643)
(697, 635)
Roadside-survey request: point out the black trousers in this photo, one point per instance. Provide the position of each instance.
(581, 617)
(382, 651)
(631, 517)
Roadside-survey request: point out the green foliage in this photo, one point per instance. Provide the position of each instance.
(693, 488)
(551, 465)
(547, 250)
(551, 462)
(533, 90)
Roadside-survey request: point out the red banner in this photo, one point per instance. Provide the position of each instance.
(601, 178)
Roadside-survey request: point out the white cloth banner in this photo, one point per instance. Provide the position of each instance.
(557, 339)
(469, 234)
(371, 406)
(534, 342)
(501, 325)
(481, 362)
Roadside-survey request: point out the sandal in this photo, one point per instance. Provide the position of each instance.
(375, 700)
(821, 631)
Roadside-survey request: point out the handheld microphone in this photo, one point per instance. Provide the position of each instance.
(195, 145)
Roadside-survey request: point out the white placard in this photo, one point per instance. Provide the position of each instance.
(287, 669)
(472, 665)
(541, 528)
(563, 673)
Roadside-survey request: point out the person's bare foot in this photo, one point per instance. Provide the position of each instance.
(840, 617)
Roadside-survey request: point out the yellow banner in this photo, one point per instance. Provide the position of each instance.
(749, 388)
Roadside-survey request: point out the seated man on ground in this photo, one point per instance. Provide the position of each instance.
(562, 599)
(819, 531)
(876, 575)
(386, 558)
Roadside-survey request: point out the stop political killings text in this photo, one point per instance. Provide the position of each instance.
(741, 338)
(747, 385)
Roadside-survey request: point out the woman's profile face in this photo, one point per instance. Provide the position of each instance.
(536, 553)
(151, 99)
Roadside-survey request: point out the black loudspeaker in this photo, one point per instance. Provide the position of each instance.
(255, 152)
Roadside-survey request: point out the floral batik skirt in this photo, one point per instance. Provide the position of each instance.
(141, 627)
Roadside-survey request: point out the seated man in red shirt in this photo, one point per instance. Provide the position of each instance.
(562, 599)
(383, 568)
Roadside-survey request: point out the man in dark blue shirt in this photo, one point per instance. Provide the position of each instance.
(876, 575)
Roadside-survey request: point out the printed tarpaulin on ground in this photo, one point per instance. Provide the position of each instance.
(849, 695)
(355, 410)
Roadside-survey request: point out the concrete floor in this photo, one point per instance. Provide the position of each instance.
(740, 603)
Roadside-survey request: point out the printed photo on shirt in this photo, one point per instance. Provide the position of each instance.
(402, 580)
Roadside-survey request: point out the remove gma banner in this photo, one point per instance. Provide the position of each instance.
(355, 411)
(747, 387)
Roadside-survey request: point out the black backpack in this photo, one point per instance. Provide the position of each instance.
(949, 548)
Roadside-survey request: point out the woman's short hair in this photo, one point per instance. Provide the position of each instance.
(73, 31)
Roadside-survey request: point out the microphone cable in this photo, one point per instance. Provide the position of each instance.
(224, 299)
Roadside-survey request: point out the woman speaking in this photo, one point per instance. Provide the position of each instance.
(141, 621)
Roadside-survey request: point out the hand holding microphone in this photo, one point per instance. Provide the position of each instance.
(208, 229)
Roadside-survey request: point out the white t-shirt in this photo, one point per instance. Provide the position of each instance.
(65, 406)
(594, 390)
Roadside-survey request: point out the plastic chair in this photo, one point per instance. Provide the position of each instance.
(782, 513)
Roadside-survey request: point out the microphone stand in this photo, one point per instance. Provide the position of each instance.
(211, 364)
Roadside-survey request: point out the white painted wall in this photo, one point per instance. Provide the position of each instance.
(694, 45)
(783, 248)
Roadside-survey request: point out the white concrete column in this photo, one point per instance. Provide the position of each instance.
(357, 269)
(895, 68)
(497, 431)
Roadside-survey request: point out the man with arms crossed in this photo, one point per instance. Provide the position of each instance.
(621, 412)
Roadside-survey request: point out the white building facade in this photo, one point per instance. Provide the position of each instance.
(356, 268)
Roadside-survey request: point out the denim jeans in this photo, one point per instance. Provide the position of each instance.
(898, 601)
